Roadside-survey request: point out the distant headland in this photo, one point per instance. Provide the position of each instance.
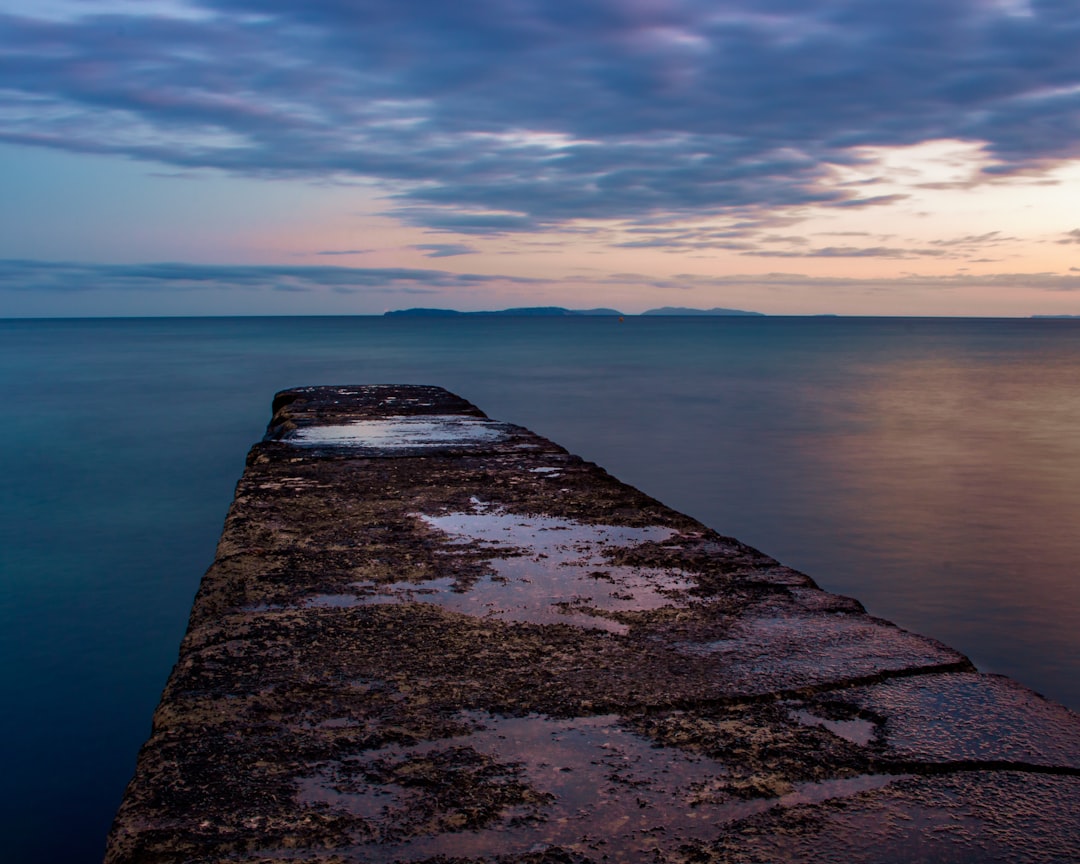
(716, 310)
(559, 311)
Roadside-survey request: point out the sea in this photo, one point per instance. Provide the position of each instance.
(928, 467)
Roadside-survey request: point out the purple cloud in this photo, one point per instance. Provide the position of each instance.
(490, 117)
(62, 277)
(443, 250)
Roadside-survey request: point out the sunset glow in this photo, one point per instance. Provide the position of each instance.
(793, 158)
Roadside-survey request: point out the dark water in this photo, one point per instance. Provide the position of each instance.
(930, 468)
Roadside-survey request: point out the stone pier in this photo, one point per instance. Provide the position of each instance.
(429, 636)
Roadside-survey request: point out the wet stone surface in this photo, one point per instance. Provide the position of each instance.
(430, 636)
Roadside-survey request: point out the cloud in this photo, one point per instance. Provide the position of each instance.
(952, 247)
(1071, 236)
(29, 276)
(753, 238)
(990, 238)
(685, 241)
(66, 277)
(495, 116)
(737, 235)
(876, 201)
(851, 252)
(444, 250)
(466, 221)
(1053, 282)
(343, 252)
(787, 239)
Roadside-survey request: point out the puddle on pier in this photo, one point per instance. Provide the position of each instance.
(587, 785)
(401, 433)
(548, 570)
(856, 730)
(554, 571)
(295, 484)
(392, 401)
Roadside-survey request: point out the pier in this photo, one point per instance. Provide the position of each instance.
(430, 636)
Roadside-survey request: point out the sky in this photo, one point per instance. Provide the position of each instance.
(262, 157)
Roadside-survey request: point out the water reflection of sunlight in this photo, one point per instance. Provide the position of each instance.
(970, 470)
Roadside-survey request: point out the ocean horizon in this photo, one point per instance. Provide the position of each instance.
(928, 467)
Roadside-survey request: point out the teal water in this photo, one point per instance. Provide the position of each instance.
(929, 467)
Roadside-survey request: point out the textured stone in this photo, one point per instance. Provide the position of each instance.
(430, 636)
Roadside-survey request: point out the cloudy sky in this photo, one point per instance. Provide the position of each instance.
(352, 156)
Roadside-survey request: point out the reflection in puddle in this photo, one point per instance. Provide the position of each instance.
(592, 778)
(395, 433)
(856, 730)
(369, 802)
(555, 571)
(293, 484)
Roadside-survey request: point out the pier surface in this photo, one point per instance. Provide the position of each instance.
(431, 636)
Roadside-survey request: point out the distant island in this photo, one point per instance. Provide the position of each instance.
(527, 311)
(557, 312)
(683, 310)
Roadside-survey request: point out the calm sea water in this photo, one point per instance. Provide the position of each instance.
(930, 468)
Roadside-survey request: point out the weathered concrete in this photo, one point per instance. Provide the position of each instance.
(428, 636)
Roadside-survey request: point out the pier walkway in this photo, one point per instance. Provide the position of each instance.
(429, 636)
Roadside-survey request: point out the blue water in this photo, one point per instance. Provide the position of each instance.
(930, 468)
